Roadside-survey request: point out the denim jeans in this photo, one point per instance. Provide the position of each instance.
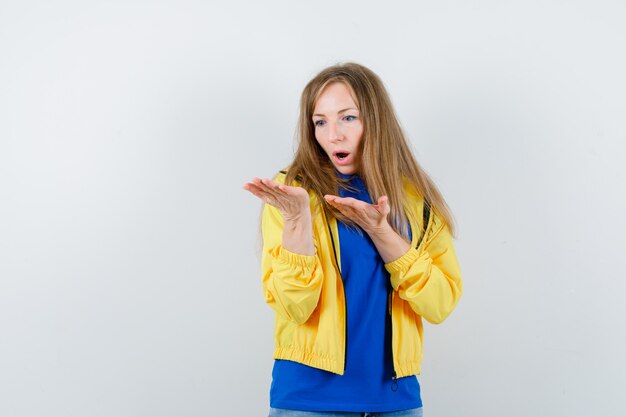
(281, 412)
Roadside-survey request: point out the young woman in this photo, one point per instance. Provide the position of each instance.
(357, 250)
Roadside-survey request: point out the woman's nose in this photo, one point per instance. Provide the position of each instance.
(334, 132)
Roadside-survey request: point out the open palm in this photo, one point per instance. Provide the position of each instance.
(371, 217)
(291, 201)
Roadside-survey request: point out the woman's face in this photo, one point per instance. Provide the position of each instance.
(338, 127)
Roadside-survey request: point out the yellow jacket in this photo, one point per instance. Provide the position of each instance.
(307, 294)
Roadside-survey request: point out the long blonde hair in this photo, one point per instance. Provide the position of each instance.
(386, 154)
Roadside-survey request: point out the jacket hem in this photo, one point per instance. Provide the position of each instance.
(408, 369)
(312, 359)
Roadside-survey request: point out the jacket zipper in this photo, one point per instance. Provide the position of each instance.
(425, 221)
(394, 378)
(345, 301)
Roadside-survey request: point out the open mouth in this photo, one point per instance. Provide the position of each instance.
(342, 158)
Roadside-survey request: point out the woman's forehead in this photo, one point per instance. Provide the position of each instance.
(335, 97)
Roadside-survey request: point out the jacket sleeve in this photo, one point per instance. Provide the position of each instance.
(429, 277)
(292, 282)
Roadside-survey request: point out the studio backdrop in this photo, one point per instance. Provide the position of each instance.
(130, 254)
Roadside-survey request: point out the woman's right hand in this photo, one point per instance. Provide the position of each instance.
(292, 202)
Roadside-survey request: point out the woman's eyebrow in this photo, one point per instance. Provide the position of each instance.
(340, 111)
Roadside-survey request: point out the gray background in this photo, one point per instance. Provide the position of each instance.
(129, 264)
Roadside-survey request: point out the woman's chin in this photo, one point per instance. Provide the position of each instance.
(346, 169)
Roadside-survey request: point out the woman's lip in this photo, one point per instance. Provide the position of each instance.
(344, 161)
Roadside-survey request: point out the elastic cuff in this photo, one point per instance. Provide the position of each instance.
(404, 262)
(292, 258)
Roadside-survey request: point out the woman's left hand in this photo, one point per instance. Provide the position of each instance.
(370, 217)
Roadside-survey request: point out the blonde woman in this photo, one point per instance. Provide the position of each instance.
(357, 250)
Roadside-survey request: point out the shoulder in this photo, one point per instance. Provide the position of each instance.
(423, 211)
(435, 227)
(281, 177)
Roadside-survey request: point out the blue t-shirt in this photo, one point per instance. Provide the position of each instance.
(366, 385)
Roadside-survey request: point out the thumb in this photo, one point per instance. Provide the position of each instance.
(383, 203)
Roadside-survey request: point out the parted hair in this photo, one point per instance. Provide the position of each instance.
(386, 155)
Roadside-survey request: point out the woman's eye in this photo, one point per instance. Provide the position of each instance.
(350, 118)
(318, 123)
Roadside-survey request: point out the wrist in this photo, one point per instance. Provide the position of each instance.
(381, 230)
(298, 235)
(389, 243)
(303, 216)
(298, 225)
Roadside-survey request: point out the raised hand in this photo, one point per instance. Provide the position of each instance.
(292, 202)
(373, 219)
(370, 217)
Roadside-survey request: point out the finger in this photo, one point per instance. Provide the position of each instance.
(285, 189)
(348, 201)
(334, 200)
(249, 187)
(360, 212)
(277, 188)
(347, 211)
(252, 187)
(262, 195)
(266, 185)
(261, 182)
(383, 204)
(357, 207)
(281, 199)
(262, 186)
(344, 201)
